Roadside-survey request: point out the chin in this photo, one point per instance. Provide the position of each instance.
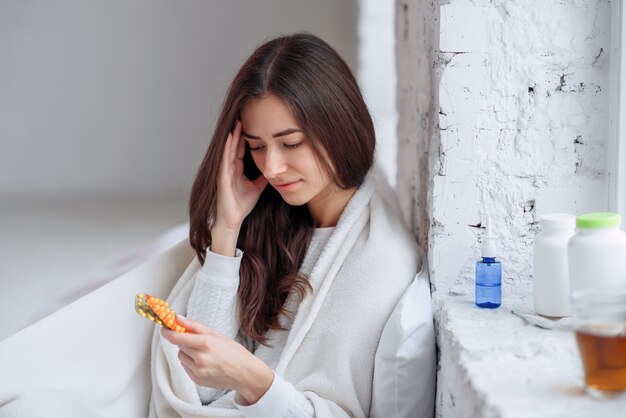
(295, 199)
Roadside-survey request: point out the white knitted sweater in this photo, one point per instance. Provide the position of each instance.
(213, 302)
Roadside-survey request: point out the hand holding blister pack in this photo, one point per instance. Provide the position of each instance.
(158, 310)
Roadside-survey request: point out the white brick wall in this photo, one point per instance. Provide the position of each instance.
(503, 110)
(523, 108)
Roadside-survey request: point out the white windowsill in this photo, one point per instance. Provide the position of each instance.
(507, 368)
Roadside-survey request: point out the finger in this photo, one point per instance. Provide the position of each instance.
(186, 359)
(169, 335)
(195, 327)
(166, 333)
(190, 372)
(195, 355)
(189, 342)
(194, 338)
(241, 144)
(226, 152)
(235, 141)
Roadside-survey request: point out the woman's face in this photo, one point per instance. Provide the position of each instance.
(281, 151)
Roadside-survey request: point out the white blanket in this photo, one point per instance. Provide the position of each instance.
(367, 264)
(97, 349)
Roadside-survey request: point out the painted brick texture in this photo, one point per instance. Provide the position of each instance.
(503, 110)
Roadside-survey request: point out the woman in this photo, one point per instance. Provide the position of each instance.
(300, 261)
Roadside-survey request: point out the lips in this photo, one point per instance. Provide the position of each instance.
(286, 185)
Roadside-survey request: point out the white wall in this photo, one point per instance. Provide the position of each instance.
(512, 121)
(377, 78)
(417, 87)
(120, 97)
(523, 123)
(518, 105)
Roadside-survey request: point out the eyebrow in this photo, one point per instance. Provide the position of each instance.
(276, 135)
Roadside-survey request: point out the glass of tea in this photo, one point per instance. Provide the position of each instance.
(599, 320)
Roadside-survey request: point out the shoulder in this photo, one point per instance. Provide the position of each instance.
(386, 256)
(389, 234)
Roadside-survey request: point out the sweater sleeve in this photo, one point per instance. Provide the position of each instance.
(213, 302)
(282, 400)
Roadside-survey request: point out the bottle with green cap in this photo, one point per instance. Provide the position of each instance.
(597, 252)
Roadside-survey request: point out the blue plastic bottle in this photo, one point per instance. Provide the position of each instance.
(488, 273)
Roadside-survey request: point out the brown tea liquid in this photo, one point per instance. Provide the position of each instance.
(604, 360)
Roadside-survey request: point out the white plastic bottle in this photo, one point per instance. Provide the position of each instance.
(550, 268)
(597, 253)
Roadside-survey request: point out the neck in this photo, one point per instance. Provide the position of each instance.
(327, 207)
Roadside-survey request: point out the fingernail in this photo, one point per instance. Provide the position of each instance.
(180, 316)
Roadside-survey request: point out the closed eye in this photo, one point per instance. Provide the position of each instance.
(293, 146)
(262, 147)
(254, 149)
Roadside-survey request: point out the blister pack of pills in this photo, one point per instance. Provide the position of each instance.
(157, 310)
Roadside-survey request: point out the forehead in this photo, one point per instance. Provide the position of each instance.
(266, 116)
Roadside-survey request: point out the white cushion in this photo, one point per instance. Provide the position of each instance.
(405, 362)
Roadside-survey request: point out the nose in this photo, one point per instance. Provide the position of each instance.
(275, 163)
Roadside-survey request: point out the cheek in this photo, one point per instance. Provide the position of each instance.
(318, 170)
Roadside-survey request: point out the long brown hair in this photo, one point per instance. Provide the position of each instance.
(318, 87)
